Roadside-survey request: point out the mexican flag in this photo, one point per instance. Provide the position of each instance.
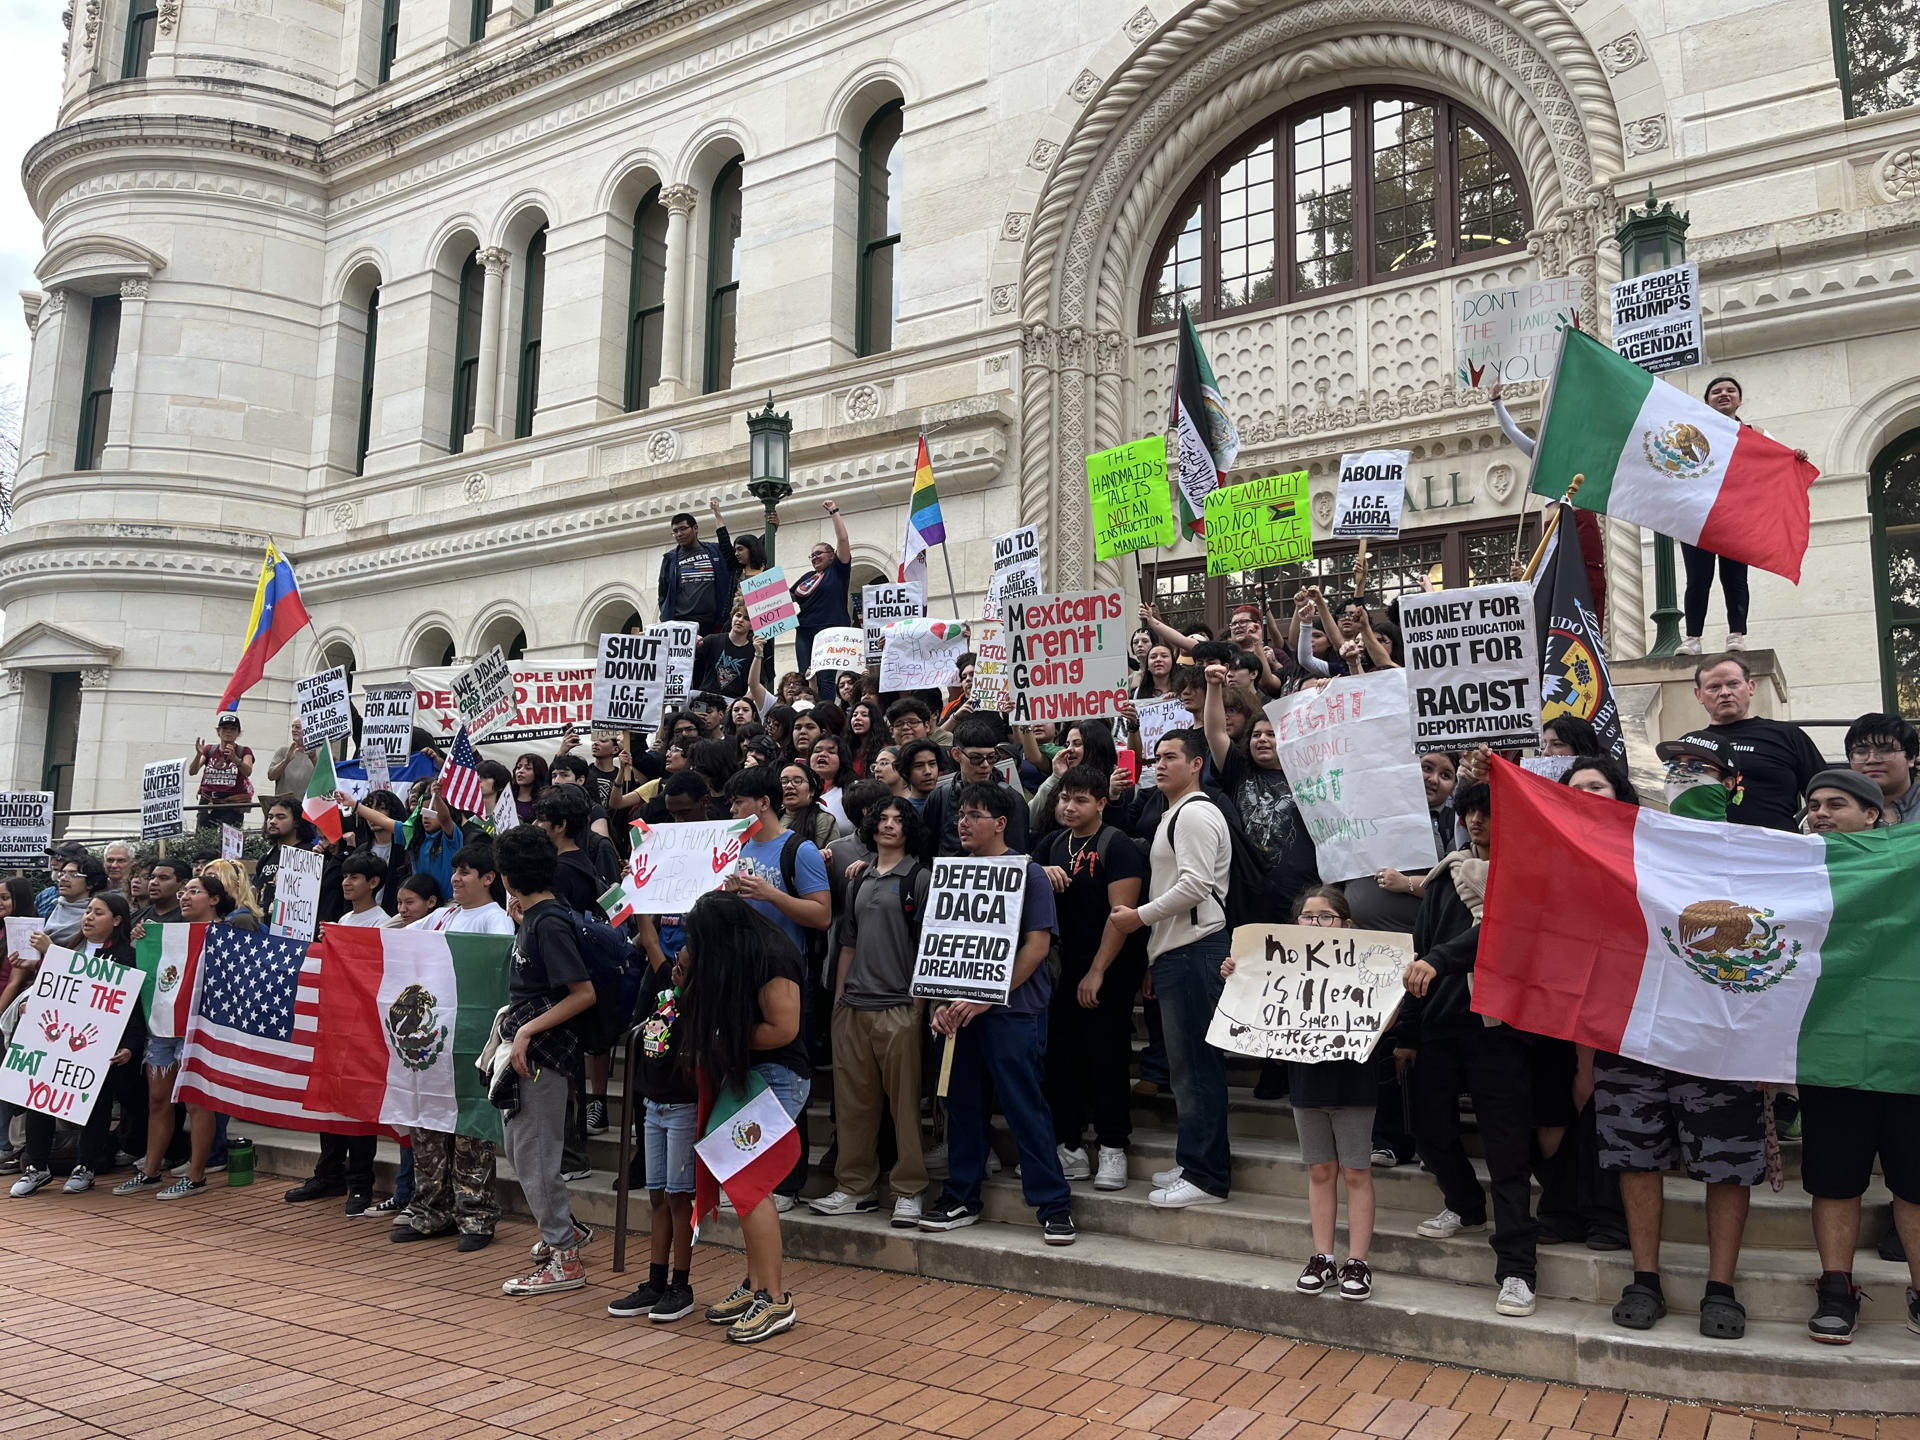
(748, 1145)
(319, 806)
(403, 1017)
(1205, 440)
(169, 957)
(1655, 456)
(1724, 951)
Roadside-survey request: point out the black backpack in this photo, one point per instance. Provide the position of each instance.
(909, 903)
(1246, 875)
(816, 940)
(607, 955)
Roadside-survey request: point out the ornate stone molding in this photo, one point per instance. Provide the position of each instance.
(1003, 299)
(496, 259)
(679, 199)
(1013, 226)
(663, 447)
(90, 32)
(1646, 136)
(55, 302)
(1139, 25)
(1084, 84)
(95, 678)
(1898, 173)
(862, 404)
(167, 16)
(1622, 54)
(133, 289)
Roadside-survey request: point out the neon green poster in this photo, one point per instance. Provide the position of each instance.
(1259, 524)
(1132, 507)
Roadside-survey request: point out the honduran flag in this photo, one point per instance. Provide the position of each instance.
(404, 1016)
(925, 527)
(1206, 442)
(319, 804)
(1654, 455)
(1724, 951)
(278, 614)
(748, 1145)
(169, 956)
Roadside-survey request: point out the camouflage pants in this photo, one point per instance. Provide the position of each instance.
(452, 1184)
(1652, 1119)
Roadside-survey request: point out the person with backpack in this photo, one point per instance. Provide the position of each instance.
(976, 748)
(1193, 859)
(876, 1024)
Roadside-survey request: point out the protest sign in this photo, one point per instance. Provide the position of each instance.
(1300, 992)
(624, 669)
(992, 672)
(921, 654)
(547, 700)
(26, 828)
(1372, 490)
(233, 842)
(841, 648)
(1554, 767)
(1512, 332)
(325, 712)
(163, 799)
(1069, 655)
(1132, 506)
(970, 933)
(1344, 750)
(1016, 568)
(771, 609)
(386, 721)
(20, 931)
(881, 605)
(296, 892)
(681, 639)
(1473, 667)
(69, 1029)
(674, 865)
(379, 772)
(483, 695)
(1156, 718)
(1656, 320)
(1259, 524)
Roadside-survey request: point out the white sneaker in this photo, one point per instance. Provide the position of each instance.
(1445, 1226)
(31, 1181)
(1112, 1174)
(1073, 1163)
(1736, 640)
(783, 1203)
(936, 1158)
(79, 1182)
(906, 1213)
(1182, 1193)
(1164, 1178)
(1688, 646)
(841, 1203)
(1516, 1297)
(993, 1163)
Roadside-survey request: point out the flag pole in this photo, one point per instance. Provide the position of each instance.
(953, 593)
(1553, 523)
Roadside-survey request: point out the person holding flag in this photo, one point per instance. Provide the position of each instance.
(278, 614)
(1206, 441)
(822, 593)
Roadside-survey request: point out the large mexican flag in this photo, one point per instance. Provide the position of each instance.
(1724, 951)
(1654, 455)
(403, 1016)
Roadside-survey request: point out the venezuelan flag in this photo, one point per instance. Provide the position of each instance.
(278, 614)
(925, 527)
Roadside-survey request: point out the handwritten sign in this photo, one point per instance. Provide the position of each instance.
(163, 799)
(625, 669)
(1473, 665)
(1371, 493)
(547, 699)
(386, 721)
(771, 609)
(69, 1028)
(1306, 993)
(840, 648)
(1016, 568)
(992, 672)
(1512, 332)
(674, 865)
(1069, 655)
(1344, 751)
(233, 842)
(921, 654)
(681, 639)
(483, 695)
(26, 828)
(1156, 718)
(970, 934)
(1260, 524)
(20, 931)
(1132, 506)
(325, 712)
(1656, 320)
(880, 606)
(296, 893)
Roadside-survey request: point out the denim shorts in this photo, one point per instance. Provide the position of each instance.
(789, 1089)
(163, 1051)
(670, 1133)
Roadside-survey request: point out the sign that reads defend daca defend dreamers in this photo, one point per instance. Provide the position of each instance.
(1473, 667)
(1069, 655)
(970, 936)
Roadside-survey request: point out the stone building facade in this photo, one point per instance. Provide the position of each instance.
(459, 302)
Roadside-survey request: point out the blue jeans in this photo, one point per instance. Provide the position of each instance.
(1187, 980)
(671, 1132)
(791, 1091)
(1003, 1054)
(403, 1182)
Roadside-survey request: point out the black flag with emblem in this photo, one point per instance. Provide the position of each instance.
(1573, 657)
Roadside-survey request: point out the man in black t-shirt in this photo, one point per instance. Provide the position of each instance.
(720, 664)
(1776, 760)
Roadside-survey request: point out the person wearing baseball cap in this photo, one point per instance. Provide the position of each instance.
(1703, 775)
(226, 787)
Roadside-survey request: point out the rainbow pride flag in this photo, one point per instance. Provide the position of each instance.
(925, 528)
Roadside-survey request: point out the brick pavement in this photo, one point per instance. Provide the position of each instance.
(236, 1315)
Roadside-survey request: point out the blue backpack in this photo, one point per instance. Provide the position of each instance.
(608, 957)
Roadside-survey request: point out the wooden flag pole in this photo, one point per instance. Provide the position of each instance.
(946, 1065)
(1553, 521)
(1526, 499)
(1360, 571)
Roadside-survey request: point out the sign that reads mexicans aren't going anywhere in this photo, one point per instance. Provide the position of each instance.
(1069, 655)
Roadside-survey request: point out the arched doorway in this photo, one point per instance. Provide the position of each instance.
(1894, 501)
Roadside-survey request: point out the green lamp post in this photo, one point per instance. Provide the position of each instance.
(769, 438)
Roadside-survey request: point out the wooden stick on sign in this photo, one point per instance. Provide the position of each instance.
(1360, 571)
(946, 1065)
(1540, 550)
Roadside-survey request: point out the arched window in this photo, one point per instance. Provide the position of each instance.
(530, 319)
(1894, 500)
(880, 189)
(364, 433)
(143, 20)
(723, 278)
(389, 37)
(466, 353)
(646, 299)
(1342, 191)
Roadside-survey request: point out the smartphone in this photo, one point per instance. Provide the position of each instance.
(1129, 766)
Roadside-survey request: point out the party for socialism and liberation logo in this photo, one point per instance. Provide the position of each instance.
(414, 1028)
(1735, 947)
(1678, 450)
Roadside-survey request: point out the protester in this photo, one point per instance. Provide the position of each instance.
(918, 764)
(696, 577)
(291, 767)
(225, 787)
(361, 876)
(1249, 770)
(800, 801)
(530, 778)
(1776, 760)
(976, 746)
(1886, 748)
(117, 860)
(77, 881)
(720, 664)
(1593, 547)
(285, 825)
(831, 762)
(822, 593)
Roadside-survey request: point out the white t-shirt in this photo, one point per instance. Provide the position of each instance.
(488, 919)
(370, 918)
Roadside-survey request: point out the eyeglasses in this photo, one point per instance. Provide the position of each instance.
(1320, 919)
(1875, 752)
(979, 757)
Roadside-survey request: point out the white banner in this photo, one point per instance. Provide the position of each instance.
(296, 892)
(386, 721)
(1473, 667)
(1069, 655)
(921, 654)
(840, 648)
(1344, 750)
(1309, 993)
(163, 799)
(674, 865)
(1016, 568)
(1512, 332)
(992, 674)
(547, 699)
(880, 606)
(627, 665)
(69, 1029)
(970, 934)
(26, 828)
(1656, 320)
(325, 712)
(1372, 491)
(483, 695)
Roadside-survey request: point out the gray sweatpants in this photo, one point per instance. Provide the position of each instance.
(536, 1135)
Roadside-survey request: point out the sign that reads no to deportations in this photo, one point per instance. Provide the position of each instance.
(1016, 568)
(1259, 524)
(1473, 667)
(970, 936)
(1132, 506)
(1069, 655)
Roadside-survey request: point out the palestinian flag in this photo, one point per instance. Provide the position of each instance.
(1655, 456)
(1573, 658)
(319, 806)
(403, 1017)
(1723, 951)
(169, 956)
(748, 1145)
(1205, 440)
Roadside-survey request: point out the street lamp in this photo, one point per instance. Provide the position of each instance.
(768, 440)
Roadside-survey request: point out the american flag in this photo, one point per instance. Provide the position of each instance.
(249, 1045)
(460, 781)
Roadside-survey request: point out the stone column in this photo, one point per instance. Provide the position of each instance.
(42, 430)
(117, 454)
(679, 200)
(486, 389)
(93, 788)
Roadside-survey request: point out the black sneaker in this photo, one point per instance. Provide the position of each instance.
(947, 1213)
(596, 1117)
(357, 1204)
(472, 1240)
(1838, 1311)
(310, 1189)
(640, 1302)
(1059, 1230)
(675, 1303)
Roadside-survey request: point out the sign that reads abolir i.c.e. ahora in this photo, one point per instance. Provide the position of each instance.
(1068, 655)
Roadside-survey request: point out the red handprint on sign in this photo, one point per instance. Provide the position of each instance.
(79, 1039)
(643, 871)
(725, 856)
(50, 1025)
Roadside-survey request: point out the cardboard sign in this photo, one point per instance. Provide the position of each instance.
(1156, 718)
(1069, 655)
(1260, 524)
(1473, 667)
(625, 669)
(771, 609)
(296, 893)
(325, 712)
(1132, 506)
(1344, 750)
(26, 828)
(386, 721)
(1554, 767)
(674, 865)
(379, 772)
(881, 605)
(921, 654)
(842, 648)
(970, 933)
(233, 842)
(69, 1029)
(1656, 320)
(992, 671)
(1309, 993)
(1016, 568)
(163, 799)
(1512, 332)
(1372, 491)
(547, 699)
(483, 695)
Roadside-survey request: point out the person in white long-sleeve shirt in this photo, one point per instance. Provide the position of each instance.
(1593, 547)
(1192, 861)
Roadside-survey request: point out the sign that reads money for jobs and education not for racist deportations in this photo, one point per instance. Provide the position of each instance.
(1132, 506)
(1300, 992)
(26, 828)
(1512, 332)
(1656, 320)
(1259, 524)
(1371, 493)
(163, 799)
(1473, 667)
(1069, 655)
(325, 711)
(626, 669)
(483, 695)
(970, 933)
(881, 605)
(386, 721)
(1016, 568)
(70, 1026)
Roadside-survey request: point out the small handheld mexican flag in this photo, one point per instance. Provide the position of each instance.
(319, 806)
(748, 1145)
(169, 956)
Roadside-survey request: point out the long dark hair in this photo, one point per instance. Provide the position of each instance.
(1097, 751)
(1614, 771)
(782, 715)
(756, 552)
(224, 903)
(878, 736)
(728, 955)
(22, 891)
(714, 761)
(542, 776)
(122, 918)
